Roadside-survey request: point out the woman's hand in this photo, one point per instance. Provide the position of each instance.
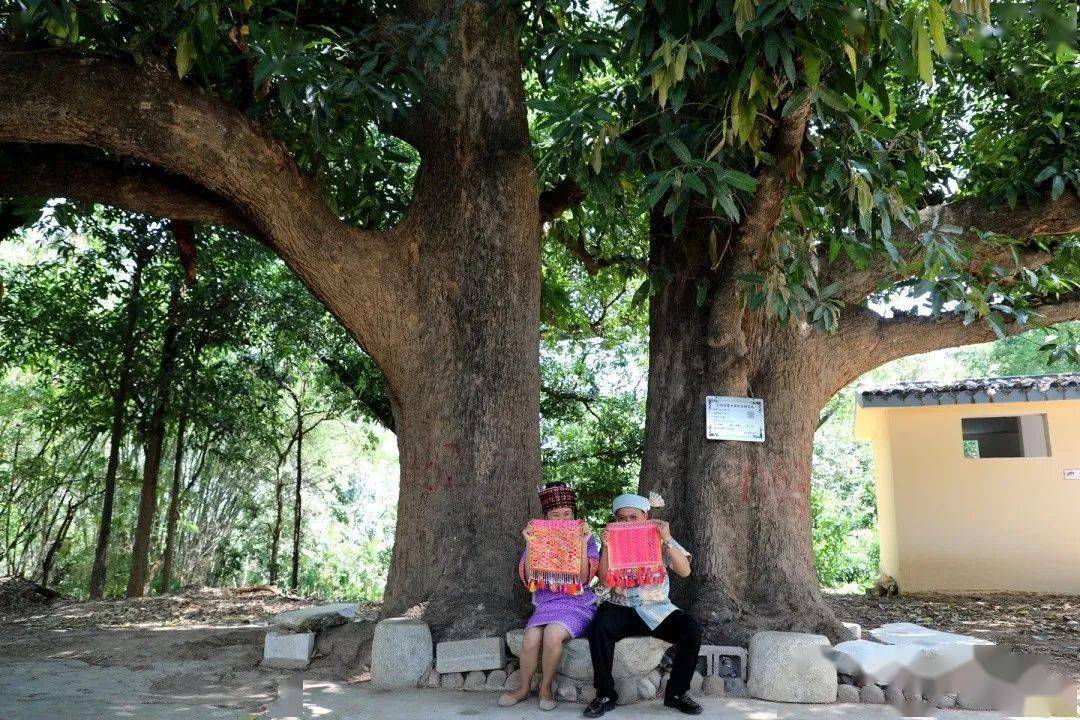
(603, 536)
(527, 533)
(585, 533)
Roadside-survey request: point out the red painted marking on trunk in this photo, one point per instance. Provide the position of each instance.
(433, 470)
(778, 484)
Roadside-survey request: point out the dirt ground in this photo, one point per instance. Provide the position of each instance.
(200, 650)
(1047, 625)
(194, 607)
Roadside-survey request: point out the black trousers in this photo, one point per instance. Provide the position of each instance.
(615, 622)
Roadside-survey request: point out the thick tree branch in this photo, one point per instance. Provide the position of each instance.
(1053, 217)
(594, 263)
(568, 395)
(772, 183)
(867, 340)
(145, 112)
(565, 195)
(57, 171)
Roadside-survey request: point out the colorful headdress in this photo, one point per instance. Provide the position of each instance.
(556, 497)
(555, 555)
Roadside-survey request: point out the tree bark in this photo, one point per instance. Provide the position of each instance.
(294, 578)
(275, 529)
(741, 508)
(152, 447)
(173, 516)
(116, 434)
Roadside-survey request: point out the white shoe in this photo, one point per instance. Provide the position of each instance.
(506, 700)
(546, 704)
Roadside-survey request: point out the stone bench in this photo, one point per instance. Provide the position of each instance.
(635, 657)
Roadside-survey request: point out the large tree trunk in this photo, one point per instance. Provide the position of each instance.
(741, 508)
(467, 420)
(152, 447)
(116, 433)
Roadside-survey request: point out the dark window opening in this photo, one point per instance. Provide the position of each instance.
(1009, 436)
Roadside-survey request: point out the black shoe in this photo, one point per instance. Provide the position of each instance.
(599, 706)
(683, 703)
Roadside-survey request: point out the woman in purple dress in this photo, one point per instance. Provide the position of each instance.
(558, 615)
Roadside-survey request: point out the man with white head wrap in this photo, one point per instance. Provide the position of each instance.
(644, 610)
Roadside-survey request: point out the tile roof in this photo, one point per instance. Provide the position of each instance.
(1021, 388)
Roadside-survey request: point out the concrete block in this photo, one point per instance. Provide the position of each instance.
(724, 660)
(400, 653)
(791, 667)
(288, 652)
(468, 655)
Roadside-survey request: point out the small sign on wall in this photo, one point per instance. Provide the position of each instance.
(734, 418)
(1072, 473)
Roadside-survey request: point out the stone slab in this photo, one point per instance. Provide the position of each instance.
(400, 653)
(468, 655)
(315, 618)
(791, 667)
(905, 633)
(864, 659)
(290, 651)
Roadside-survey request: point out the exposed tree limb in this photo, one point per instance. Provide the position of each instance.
(145, 112)
(866, 339)
(571, 395)
(594, 263)
(565, 195)
(772, 183)
(1053, 217)
(57, 171)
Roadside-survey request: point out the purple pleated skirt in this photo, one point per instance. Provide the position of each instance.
(573, 612)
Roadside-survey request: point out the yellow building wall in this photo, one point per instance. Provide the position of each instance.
(888, 550)
(953, 523)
